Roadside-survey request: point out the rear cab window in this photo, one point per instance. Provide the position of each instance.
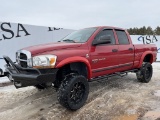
(122, 37)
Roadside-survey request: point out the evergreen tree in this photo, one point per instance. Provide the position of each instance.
(149, 31)
(157, 31)
(144, 31)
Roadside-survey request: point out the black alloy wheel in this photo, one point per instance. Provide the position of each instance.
(145, 73)
(73, 92)
(77, 92)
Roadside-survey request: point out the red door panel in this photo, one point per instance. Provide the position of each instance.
(126, 57)
(126, 51)
(104, 59)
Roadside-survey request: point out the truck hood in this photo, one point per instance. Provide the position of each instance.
(50, 47)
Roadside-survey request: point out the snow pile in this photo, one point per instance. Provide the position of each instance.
(4, 80)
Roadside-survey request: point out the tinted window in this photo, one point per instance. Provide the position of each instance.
(122, 37)
(108, 33)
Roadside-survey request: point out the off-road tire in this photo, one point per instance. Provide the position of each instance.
(145, 73)
(67, 90)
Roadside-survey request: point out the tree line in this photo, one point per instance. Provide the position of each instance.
(144, 31)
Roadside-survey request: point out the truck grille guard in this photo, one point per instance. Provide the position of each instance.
(22, 56)
(13, 68)
(23, 77)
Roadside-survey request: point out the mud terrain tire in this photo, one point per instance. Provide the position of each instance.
(145, 73)
(73, 92)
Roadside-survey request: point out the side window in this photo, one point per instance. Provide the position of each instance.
(107, 32)
(122, 37)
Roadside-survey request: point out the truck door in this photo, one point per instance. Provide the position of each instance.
(126, 51)
(104, 57)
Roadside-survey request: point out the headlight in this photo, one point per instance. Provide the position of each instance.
(42, 61)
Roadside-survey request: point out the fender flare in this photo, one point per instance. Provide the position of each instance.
(76, 59)
(143, 56)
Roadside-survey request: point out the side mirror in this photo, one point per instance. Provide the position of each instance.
(105, 39)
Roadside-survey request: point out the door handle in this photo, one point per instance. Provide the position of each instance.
(114, 50)
(130, 49)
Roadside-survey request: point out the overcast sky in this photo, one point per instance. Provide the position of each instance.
(76, 14)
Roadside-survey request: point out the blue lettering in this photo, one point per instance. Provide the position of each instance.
(139, 39)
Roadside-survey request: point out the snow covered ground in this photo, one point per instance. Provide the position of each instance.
(4, 79)
(114, 99)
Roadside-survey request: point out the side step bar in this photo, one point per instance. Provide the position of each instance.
(121, 74)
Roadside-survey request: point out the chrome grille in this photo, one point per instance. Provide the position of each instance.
(22, 56)
(23, 60)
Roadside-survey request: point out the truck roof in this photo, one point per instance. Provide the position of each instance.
(109, 27)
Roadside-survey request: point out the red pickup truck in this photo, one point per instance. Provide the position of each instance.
(85, 55)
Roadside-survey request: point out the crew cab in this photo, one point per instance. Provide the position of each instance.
(83, 56)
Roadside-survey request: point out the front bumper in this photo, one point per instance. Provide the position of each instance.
(23, 77)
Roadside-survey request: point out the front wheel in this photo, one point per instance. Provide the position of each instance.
(145, 73)
(73, 92)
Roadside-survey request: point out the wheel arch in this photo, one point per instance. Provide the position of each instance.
(146, 57)
(77, 59)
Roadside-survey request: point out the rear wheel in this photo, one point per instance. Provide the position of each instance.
(73, 92)
(145, 73)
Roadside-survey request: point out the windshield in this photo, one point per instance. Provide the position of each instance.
(79, 35)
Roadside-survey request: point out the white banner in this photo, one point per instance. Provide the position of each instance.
(14, 36)
(147, 39)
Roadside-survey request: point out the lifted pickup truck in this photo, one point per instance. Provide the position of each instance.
(85, 55)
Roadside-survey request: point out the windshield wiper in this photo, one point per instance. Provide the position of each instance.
(69, 40)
